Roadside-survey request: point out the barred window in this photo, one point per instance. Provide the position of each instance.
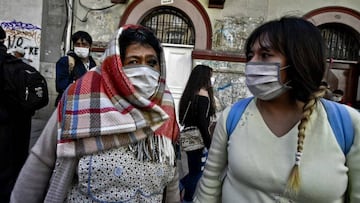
(171, 25)
(342, 42)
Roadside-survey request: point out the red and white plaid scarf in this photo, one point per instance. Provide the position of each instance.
(102, 110)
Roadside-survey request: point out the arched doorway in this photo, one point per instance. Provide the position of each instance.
(340, 28)
(171, 25)
(138, 9)
(192, 30)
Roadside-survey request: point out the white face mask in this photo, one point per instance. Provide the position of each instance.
(144, 78)
(336, 98)
(263, 80)
(81, 52)
(212, 80)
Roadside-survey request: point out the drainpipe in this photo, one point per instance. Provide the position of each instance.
(69, 23)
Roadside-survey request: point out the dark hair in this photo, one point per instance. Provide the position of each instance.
(199, 78)
(138, 34)
(324, 83)
(303, 47)
(81, 35)
(338, 91)
(2, 33)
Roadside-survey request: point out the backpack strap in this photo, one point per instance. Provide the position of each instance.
(235, 114)
(338, 117)
(341, 123)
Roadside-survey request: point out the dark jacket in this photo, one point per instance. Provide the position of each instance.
(15, 129)
(8, 105)
(64, 76)
(3, 111)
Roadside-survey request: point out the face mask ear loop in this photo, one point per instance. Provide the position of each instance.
(283, 68)
(279, 79)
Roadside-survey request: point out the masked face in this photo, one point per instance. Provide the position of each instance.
(263, 80)
(336, 98)
(81, 52)
(144, 78)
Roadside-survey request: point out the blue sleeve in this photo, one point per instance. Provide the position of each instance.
(62, 74)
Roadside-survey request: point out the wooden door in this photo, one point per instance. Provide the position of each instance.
(178, 69)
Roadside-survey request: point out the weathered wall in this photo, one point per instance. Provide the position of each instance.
(277, 8)
(100, 21)
(54, 19)
(23, 28)
(98, 17)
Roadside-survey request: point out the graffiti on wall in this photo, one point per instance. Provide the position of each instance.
(23, 35)
(229, 85)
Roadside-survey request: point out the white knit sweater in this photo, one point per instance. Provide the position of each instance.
(259, 162)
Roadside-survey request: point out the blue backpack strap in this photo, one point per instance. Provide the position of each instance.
(341, 124)
(235, 114)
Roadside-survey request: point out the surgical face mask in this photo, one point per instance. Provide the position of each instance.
(336, 98)
(263, 80)
(144, 78)
(81, 52)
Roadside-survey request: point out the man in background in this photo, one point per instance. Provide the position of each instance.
(75, 64)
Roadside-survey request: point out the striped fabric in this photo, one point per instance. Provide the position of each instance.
(102, 110)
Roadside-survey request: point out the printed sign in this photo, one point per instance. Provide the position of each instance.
(167, 2)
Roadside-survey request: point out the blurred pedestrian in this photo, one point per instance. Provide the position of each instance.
(328, 92)
(337, 96)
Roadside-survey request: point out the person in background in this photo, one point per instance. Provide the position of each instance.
(283, 148)
(328, 92)
(19, 52)
(195, 109)
(76, 63)
(112, 136)
(337, 96)
(15, 128)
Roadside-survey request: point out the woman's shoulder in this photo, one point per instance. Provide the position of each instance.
(354, 113)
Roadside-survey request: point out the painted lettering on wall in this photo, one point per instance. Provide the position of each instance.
(23, 35)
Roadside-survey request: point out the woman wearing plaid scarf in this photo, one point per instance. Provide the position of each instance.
(111, 138)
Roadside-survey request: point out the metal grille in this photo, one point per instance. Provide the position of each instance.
(170, 25)
(341, 41)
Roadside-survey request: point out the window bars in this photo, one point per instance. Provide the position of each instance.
(341, 42)
(170, 26)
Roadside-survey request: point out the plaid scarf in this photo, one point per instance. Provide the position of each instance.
(102, 110)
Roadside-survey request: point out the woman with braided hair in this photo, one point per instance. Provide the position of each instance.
(112, 136)
(283, 148)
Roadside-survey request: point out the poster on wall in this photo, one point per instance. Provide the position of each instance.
(23, 36)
